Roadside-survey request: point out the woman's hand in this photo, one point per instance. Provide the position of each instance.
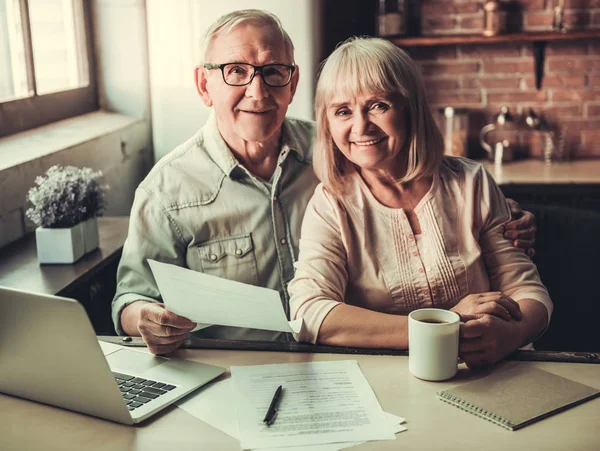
(484, 341)
(487, 339)
(492, 303)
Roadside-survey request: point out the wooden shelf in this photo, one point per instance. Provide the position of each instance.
(499, 39)
(538, 41)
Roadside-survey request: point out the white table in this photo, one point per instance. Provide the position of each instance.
(432, 424)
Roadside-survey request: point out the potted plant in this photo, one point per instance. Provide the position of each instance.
(65, 204)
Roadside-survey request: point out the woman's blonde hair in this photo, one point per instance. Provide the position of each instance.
(371, 65)
(228, 22)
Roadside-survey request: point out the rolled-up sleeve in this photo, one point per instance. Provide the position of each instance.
(152, 235)
(510, 270)
(321, 277)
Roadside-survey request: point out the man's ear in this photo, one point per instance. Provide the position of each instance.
(201, 81)
(294, 81)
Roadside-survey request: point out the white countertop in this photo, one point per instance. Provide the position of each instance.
(538, 172)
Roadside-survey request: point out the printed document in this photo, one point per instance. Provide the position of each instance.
(322, 402)
(214, 404)
(207, 299)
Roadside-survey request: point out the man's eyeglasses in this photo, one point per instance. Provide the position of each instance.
(242, 74)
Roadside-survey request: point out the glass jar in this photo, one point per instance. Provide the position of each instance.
(493, 18)
(455, 129)
(391, 18)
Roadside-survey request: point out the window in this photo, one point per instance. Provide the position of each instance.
(45, 62)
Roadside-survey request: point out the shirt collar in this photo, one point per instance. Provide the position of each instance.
(216, 147)
(291, 141)
(221, 154)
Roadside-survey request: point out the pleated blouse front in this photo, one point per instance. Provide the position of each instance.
(358, 251)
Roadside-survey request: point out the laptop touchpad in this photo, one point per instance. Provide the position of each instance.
(136, 362)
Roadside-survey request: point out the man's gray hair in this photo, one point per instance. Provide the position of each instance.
(228, 22)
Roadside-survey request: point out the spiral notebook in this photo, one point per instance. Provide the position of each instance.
(519, 396)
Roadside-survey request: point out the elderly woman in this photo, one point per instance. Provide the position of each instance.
(395, 226)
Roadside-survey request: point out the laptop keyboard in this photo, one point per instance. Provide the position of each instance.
(137, 391)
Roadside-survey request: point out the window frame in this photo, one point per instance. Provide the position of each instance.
(29, 112)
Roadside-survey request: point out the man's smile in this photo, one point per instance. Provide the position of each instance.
(260, 111)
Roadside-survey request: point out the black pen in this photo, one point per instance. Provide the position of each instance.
(272, 412)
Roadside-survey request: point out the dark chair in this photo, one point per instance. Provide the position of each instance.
(567, 256)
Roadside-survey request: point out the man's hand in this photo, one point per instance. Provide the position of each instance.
(162, 330)
(521, 228)
(492, 303)
(485, 340)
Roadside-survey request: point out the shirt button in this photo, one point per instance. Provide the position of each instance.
(416, 254)
(213, 257)
(282, 241)
(410, 235)
(420, 269)
(274, 198)
(238, 252)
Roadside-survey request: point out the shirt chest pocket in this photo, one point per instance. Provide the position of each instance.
(230, 258)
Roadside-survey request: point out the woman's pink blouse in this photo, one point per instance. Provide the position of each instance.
(358, 251)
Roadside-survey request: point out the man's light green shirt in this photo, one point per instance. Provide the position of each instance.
(199, 208)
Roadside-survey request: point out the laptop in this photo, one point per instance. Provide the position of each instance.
(50, 354)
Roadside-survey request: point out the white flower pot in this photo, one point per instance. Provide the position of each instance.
(91, 238)
(59, 245)
(66, 245)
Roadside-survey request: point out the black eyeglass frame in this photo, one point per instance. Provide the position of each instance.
(292, 68)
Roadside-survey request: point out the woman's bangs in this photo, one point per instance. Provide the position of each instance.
(355, 74)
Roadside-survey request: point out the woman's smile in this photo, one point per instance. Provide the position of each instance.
(370, 142)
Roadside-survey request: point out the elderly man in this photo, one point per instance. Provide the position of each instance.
(229, 201)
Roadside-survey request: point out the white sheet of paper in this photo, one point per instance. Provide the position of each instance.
(396, 422)
(322, 402)
(214, 404)
(393, 421)
(108, 348)
(208, 299)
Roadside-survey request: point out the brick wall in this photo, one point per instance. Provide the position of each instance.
(482, 78)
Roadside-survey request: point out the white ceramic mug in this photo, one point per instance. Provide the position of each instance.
(433, 343)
